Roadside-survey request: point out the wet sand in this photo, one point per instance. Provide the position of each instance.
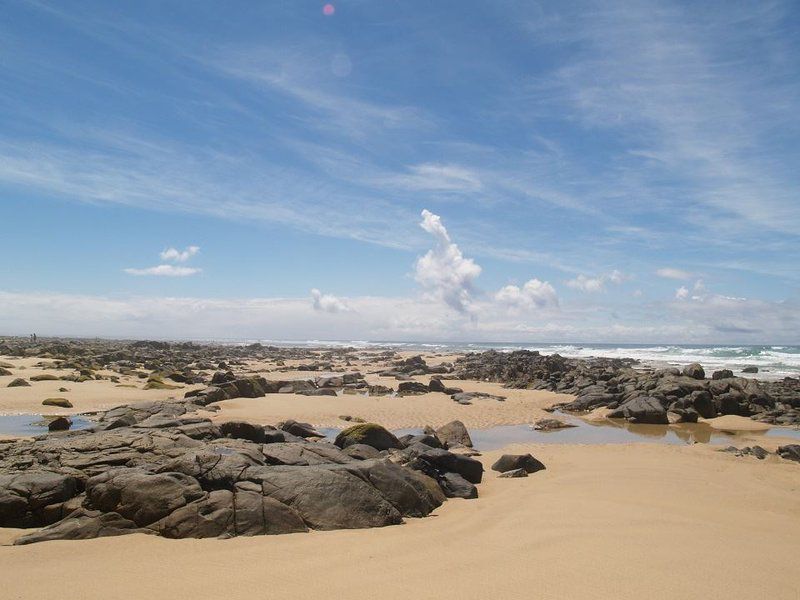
(626, 521)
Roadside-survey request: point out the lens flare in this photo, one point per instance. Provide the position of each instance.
(328, 10)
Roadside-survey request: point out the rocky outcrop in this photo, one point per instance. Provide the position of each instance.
(155, 468)
(683, 395)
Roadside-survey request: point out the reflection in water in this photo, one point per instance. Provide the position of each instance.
(608, 431)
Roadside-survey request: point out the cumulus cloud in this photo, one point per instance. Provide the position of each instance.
(175, 255)
(164, 271)
(171, 255)
(327, 302)
(597, 284)
(672, 273)
(534, 294)
(444, 271)
(682, 293)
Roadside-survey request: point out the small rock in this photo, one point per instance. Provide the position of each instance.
(509, 462)
(59, 424)
(19, 382)
(60, 402)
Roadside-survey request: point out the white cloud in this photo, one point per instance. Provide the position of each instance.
(672, 273)
(439, 178)
(327, 302)
(682, 293)
(444, 271)
(165, 271)
(175, 255)
(534, 294)
(597, 284)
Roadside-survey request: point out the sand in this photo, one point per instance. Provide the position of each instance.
(626, 521)
(520, 406)
(87, 396)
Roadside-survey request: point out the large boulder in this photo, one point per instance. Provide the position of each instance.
(326, 499)
(436, 462)
(511, 462)
(223, 513)
(453, 434)
(139, 496)
(695, 371)
(370, 434)
(643, 409)
(25, 496)
(243, 431)
(412, 387)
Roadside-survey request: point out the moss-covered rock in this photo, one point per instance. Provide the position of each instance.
(60, 402)
(44, 377)
(370, 434)
(156, 383)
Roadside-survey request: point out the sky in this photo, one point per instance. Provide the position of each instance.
(428, 171)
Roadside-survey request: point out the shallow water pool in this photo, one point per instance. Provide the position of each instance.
(30, 425)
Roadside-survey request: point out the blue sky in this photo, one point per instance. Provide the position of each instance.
(616, 171)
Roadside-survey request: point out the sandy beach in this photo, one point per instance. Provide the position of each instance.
(616, 521)
(612, 522)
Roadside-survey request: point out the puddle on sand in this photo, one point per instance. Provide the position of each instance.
(30, 425)
(599, 432)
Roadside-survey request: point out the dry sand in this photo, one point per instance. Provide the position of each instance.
(520, 406)
(85, 397)
(625, 521)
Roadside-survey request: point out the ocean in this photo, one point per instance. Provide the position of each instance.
(773, 362)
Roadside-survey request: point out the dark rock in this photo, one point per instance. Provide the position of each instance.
(83, 524)
(24, 496)
(695, 371)
(750, 369)
(370, 434)
(436, 385)
(60, 402)
(790, 452)
(432, 461)
(722, 374)
(303, 430)
(243, 431)
(59, 424)
(455, 486)
(642, 409)
(412, 387)
(19, 382)
(139, 496)
(454, 433)
(361, 452)
(509, 462)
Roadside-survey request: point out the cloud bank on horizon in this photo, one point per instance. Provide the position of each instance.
(622, 171)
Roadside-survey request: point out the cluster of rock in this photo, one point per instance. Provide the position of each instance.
(641, 396)
(157, 362)
(154, 468)
(789, 452)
